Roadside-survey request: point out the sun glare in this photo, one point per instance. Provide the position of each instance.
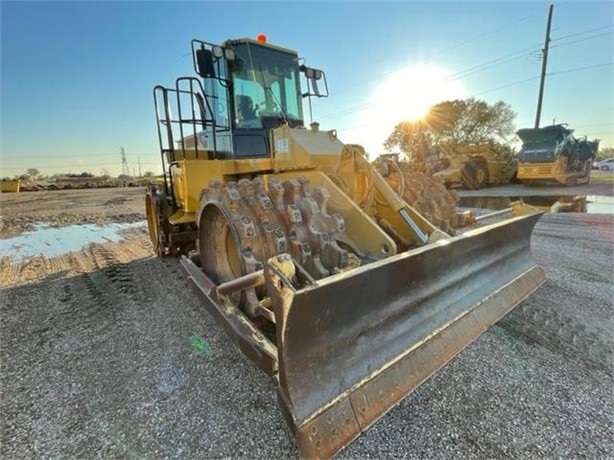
(406, 95)
(409, 93)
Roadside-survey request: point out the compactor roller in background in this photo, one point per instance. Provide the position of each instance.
(552, 155)
(315, 267)
(424, 192)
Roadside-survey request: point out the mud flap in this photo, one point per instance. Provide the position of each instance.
(355, 344)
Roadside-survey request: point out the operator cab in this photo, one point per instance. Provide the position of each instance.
(265, 82)
(266, 88)
(252, 87)
(246, 88)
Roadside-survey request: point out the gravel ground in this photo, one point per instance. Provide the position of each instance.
(106, 353)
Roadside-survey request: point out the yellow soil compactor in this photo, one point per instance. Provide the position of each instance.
(321, 274)
(552, 155)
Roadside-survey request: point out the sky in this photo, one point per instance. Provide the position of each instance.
(76, 78)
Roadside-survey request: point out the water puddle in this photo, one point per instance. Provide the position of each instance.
(591, 204)
(51, 241)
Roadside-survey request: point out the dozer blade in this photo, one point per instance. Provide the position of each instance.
(354, 345)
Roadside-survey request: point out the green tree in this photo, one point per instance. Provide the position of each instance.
(148, 174)
(453, 123)
(33, 174)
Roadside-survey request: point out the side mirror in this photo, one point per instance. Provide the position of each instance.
(204, 63)
(313, 76)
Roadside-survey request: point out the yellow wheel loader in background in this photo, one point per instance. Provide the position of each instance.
(320, 273)
(475, 167)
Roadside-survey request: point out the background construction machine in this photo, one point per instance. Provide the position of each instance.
(553, 155)
(10, 186)
(475, 167)
(320, 273)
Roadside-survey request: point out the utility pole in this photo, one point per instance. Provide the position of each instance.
(138, 159)
(544, 64)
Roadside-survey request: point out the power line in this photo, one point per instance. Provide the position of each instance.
(582, 68)
(463, 73)
(514, 83)
(582, 33)
(475, 69)
(498, 29)
(436, 53)
(582, 39)
(508, 85)
(487, 65)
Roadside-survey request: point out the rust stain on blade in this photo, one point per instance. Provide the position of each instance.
(325, 435)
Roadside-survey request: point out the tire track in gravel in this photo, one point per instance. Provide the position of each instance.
(33, 269)
(92, 288)
(77, 314)
(112, 272)
(550, 329)
(74, 305)
(569, 315)
(55, 271)
(9, 272)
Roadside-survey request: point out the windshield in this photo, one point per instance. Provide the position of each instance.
(542, 137)
(265, 84)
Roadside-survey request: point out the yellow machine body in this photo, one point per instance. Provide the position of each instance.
(313, 264)
(551, 172)
(475, 167)
(552, 155)
(10, 186)
(316, 156)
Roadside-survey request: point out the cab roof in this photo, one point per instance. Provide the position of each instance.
(237, 41)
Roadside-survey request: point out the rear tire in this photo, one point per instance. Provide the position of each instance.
(220, 249)
(220, 246)
(155, 204)
(474, 175)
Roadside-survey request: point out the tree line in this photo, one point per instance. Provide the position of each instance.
(450, 124)
(33, 174)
